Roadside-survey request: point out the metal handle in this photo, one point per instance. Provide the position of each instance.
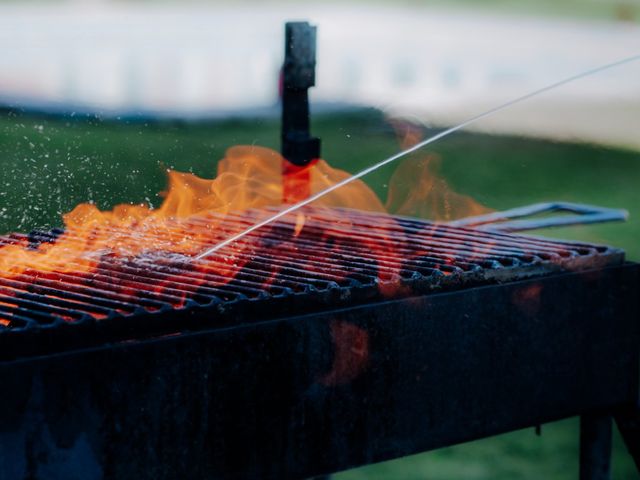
(507, 221)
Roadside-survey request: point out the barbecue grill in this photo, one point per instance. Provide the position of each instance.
(329, 339)
(319, 355)
(337, 258)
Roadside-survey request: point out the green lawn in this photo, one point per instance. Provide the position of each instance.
(588, 9)
(50, 165)
(518, 455)
(626, 10)
(578, 9)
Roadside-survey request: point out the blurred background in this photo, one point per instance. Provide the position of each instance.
(98, 98)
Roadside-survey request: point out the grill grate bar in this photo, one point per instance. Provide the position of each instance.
(463, 240)
(334, 250)
(466, 255)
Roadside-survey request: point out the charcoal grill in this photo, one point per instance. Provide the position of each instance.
(320, 355)
(343, 338)
(339, 257)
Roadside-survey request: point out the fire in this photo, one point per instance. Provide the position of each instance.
(416, 190)
(250, 183)
(300, 219)
(249, 179)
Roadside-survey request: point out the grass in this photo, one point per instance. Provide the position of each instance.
(627, 10)
(48, 165)
(518, 455)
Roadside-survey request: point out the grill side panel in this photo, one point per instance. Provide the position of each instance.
(301, 396)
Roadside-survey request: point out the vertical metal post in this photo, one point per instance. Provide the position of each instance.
(628, 421)
(595, 446)
(299, 74)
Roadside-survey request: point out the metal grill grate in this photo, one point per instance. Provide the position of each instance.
(337, 258)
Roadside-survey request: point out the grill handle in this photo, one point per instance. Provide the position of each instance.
(514, 220)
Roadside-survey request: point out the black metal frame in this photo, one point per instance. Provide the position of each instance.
(302, 396)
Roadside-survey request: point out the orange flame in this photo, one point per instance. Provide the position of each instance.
(416, 190)
(250, 180)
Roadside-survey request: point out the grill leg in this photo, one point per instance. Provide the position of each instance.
(628, 421)
(595, 447)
